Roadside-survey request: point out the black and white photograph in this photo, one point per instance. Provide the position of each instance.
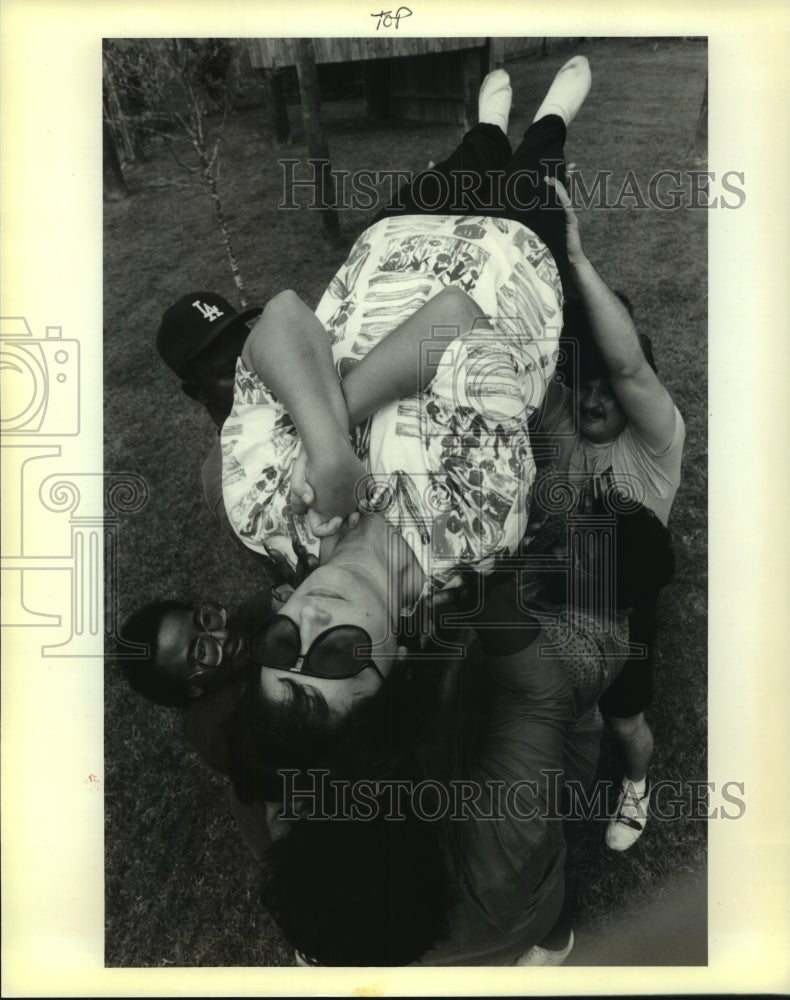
(388, 580)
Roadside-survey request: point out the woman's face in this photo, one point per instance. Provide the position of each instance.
(336, 595)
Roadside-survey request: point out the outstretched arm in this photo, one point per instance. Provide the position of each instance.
(644, 400)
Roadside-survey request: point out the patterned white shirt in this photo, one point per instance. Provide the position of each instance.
(451, 467)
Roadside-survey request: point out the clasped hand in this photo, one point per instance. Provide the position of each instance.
(324, 487)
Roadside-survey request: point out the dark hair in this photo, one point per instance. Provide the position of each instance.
(359, 892)
(578, 345)
(171, 684)
(145, 675)
(301, 733)
(343, 891)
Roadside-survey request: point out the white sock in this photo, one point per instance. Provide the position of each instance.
(567, 92)
(494, 100)
(638, 787)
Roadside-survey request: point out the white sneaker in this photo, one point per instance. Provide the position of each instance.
(545, 956)
(629, 819)
(568, 90)
(494, 99)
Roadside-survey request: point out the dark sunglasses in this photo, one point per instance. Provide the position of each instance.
(339, 652)
(205, 652)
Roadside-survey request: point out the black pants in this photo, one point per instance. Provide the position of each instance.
(483, 176)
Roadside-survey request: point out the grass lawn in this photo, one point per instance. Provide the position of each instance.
(180, 887)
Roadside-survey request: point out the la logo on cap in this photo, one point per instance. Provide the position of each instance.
(207, 311)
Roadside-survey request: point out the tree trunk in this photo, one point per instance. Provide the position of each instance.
(701, 136)
(317, 147)
(375, 84)
(474, 66)
(210, 174)
(495, 52)
(113, 111)
(114, 182)
(276, 108)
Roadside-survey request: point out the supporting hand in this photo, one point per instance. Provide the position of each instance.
(302, 494)
(572, 237)
(325, 490)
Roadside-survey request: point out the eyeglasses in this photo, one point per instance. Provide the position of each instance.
(205, 652)
(281, 594)
(339, 652)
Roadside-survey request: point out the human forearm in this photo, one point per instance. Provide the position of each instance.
(644, 400)
(406, 360)
(611, 326)
(610, 323)
(289, 349)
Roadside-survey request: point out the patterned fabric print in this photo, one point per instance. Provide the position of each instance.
(487, 462)
(453, 260)
(593, 651)
(404, 504)
(496, 378)
(538, 256)
(259, 443)
(453, 462)
(522, 306)
(473, 486)
(342, 288)
(486, 476)
(390, 300)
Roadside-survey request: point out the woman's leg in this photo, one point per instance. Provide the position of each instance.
(558, 943)
(482, 177)
(462, 183)
(526, 196)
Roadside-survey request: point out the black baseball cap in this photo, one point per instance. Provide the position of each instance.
(194, 322)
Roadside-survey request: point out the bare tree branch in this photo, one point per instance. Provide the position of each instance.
(179, 81)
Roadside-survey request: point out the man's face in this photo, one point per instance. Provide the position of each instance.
(210, 376)
(601, 418)
(331, 596)
(185, 647)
